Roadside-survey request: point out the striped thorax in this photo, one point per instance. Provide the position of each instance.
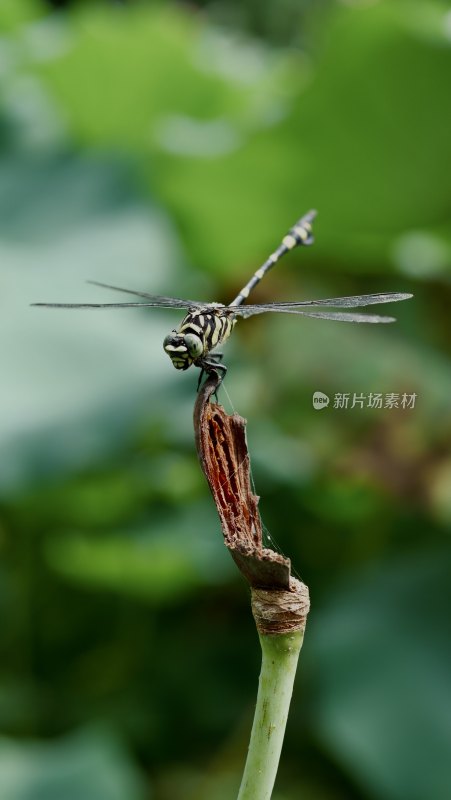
(200, 332)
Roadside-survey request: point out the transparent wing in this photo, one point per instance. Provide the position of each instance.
(154, 301)
(110, 305)
(355, 301)
(339, 316)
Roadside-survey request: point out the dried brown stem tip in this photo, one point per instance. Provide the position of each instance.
(222, 448)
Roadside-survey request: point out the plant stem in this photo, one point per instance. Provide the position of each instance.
(279, 660)
(280, 603)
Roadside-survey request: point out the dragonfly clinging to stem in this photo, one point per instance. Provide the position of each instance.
(207, 325)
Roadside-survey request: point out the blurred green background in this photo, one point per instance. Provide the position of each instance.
(167, 147)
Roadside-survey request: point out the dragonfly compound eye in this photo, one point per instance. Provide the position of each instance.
(173, 341)
(194, 345)
(174, 345)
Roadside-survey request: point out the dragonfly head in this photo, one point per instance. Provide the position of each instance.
(183, 350)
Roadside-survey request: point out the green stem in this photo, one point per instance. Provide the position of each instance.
(280, 655)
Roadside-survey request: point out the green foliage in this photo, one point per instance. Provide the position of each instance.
(386, 631)
(151, 146)
(352, 126)
(89, 764)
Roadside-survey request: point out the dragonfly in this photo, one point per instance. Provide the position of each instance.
(208, 325)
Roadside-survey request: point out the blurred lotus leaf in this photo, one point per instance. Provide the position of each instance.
(91, 764)
(380, 678)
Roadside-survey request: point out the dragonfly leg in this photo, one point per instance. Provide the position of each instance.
(201, 375)
(208, 365)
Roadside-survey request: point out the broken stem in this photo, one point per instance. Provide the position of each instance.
(280, 603)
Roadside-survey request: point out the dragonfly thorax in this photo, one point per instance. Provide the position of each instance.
(199, 333)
